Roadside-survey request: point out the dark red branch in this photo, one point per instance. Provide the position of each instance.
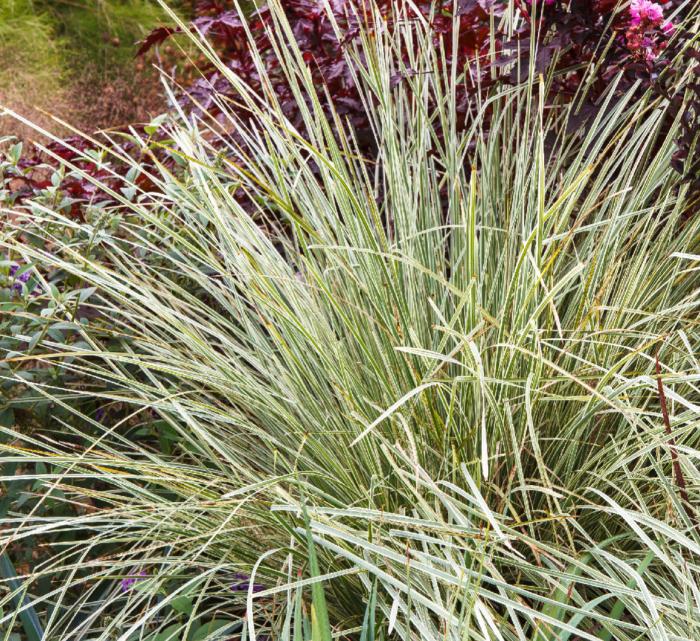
(677, 471)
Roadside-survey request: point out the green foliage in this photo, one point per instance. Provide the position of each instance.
(29, 49)
(427, 383)
(33, 303)
(103, 33)
(47, 38)
(30, 621)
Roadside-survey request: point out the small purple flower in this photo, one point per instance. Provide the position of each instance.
(243, 584)
(127, 583)
(21, 280)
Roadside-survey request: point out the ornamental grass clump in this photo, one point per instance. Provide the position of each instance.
(450, 392)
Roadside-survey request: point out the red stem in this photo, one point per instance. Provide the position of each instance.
(677, 471)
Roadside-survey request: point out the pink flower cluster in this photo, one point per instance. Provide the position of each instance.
(645, 11)
(646, 29)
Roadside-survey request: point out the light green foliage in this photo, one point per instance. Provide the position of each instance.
(104, 33)
(29, 49)
(446, 355)
(49, 37)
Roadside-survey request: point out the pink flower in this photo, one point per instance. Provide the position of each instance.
(647, 30)
(645, 11)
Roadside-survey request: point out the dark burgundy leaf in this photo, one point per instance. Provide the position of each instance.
(154, 38)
